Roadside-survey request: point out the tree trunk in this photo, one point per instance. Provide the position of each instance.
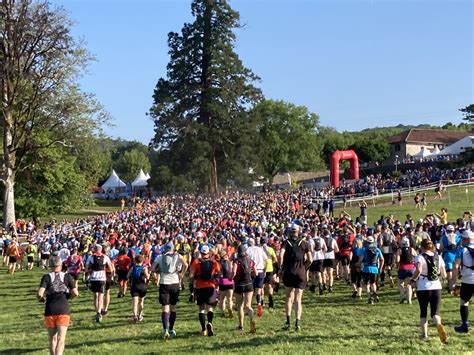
(214, 188)
(9, 202)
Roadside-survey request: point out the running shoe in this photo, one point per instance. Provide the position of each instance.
(354, 294)
(165, 334)
(297, 328)
(210, 330)
(463, 328)
(135, 319)
(287, 326)
(330, 289)
(172, 333)
(104, 312)
(253, 327)
(140, 318)
(259, 310)
(98, 317)
(371, 301)
(376, 298)
(204, 333)
(424, 336)
(240, 329)
(443, 336)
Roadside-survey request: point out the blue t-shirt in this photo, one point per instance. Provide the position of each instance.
(368, 267)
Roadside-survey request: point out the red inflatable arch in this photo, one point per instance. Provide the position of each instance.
(339, 155)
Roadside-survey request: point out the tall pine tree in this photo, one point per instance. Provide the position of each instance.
(200, 104)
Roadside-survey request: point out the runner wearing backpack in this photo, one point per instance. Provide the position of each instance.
(386, 241)
(243, 273)
(96, 267)
(226, 284)
(405, 258)
(30, 254)
(329, 263)
(318, 248)
(450, 244)
(372, 260)
(74, 265)
(465, 262)
(204, 271)
(138, 276)
(344, 243)
(429, 267)
(295, 257)
(55, 290)
(171, 267)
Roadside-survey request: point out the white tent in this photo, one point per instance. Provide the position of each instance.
(435, 152)
(141, 180)
(423, 153)
(148, 175)
(458, 147)
(113, 182)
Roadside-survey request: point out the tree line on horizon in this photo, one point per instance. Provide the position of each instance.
(213, 125)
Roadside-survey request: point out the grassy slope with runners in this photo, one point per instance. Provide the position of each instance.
(331, 323)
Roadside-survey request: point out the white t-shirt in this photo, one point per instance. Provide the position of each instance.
(64, 253)
(98, 275)
(331, 255)
(317, 255)
(423, 284)
(466, 272)
(259, 257)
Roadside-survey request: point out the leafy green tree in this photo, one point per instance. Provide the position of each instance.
(371, 150)
(204, 93)
(43, 109)
(468, 112)
(333, 140)
(130, 162)
(287, 138)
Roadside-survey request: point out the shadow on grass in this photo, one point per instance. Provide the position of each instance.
(19, 350)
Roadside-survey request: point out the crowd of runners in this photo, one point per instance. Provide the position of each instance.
(242, 248)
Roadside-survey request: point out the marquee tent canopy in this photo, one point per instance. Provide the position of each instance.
(141, 180)
(459, 147)
(423, 153)
(113, 182)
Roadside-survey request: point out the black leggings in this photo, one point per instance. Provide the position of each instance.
(431, 297)
(356, 277)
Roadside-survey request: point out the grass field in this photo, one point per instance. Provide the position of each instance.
(332, 323)
(455, 199)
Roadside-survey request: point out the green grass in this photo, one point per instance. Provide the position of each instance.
(332, 323)
(457, 203)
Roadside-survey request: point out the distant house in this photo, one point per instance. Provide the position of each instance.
(409, 143)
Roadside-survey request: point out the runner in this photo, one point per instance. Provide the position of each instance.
(318, 249)
(465, 262)
(138, 276)
(45, 252)
(356, 267)
(13, 253)
(259, 257)
(109, 274)
(55, 289)
(122, 265)
(450, 243)
(226, 284)
(344, 243)
(294, 256)
(171, 266)
(96, 266)
(74, 265)
(386, 242)
(429, 266)
(372, 259)
(204, 271)
(405, 257)
(329, 262)
(243, 271)
(31, 251)
(269, 270)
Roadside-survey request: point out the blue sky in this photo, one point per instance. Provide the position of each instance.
(356, 63)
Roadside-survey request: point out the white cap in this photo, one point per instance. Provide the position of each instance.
(204, 249)
(450, 228)
(468, 235)
(370, 239)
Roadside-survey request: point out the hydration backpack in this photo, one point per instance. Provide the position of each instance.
(471, 252)
(371, 254)
(57, 284)
(317, 244)
(205, 270)
(346, 242)
(295, 252)
(137, 272)
(329, 244)
(387, 240)
(226, 269)
(98, 263)
(246, 272)
(168, 263)
(432, 263)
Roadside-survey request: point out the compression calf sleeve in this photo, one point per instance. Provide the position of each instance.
(210, 316)
(464, 310)
(202, 320)
(164, 319)
(172, 319)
